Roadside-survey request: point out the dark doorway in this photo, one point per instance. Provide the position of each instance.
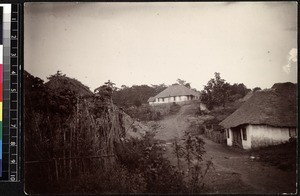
(236, 138)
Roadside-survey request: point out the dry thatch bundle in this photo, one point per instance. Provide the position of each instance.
(62, 83)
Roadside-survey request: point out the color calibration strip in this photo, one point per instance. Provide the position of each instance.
(10, 84)
(5, 50)
(14, 96)
(1, 85)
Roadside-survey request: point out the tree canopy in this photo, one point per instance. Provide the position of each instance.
(135, 95)
(218, 92)
(183, 82)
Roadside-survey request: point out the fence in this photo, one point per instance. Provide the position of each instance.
(216, 134)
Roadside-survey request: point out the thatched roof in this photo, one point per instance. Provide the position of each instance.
(151, 99)
(247, 96)
(275, 107)
(176, 90)
(60, 83)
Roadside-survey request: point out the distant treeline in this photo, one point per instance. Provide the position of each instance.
(217, 92)
(135, 95)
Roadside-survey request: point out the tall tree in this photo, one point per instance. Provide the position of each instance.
(216, 91)
(184, 83)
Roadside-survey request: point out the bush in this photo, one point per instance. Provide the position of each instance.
(140, 168)
(144, 158)
(191, 151)
(283, 156)
(137, 103)
(144, 113)
(174, 108)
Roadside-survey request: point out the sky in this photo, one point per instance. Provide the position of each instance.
(155, 43)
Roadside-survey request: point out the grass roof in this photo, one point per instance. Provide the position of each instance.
(60, 83)
(176, 90)
(275, 107)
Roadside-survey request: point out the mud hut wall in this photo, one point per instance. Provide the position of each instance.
(264, 135)
(246, 142)
(229, 137)
(261, 135)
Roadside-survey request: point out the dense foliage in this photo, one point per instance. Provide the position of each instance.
(218, 92)
(283, 156)
(135, 95)
(144, 113)
(75, 142)
(69, 131)
(142, 168)
(144, 158)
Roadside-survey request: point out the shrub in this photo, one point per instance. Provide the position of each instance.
(174, 108)
(144, 113)
(283, 156)
(191, 151)
(144, 158)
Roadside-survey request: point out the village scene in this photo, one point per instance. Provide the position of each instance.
(165, 128)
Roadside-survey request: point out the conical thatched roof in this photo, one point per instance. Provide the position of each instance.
(61, 83)
(247, 96)
(176, 90)
(275, 107)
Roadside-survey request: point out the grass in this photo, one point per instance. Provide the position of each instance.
(282, 156)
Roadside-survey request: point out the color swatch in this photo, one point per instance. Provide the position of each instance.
(1, 100)
(1, 84)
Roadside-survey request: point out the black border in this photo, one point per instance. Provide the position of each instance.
(16, 188)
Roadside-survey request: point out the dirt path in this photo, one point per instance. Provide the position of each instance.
(251, 176)
(233, 171)
(173, 126)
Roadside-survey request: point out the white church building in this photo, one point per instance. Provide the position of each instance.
(175, 93)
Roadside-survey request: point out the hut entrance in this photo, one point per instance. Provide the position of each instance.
(236, 138)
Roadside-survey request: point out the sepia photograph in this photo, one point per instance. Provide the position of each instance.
(160, 98)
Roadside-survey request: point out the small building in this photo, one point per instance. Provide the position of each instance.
(268, 117)
(175, 93)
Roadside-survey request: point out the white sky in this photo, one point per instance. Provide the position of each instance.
(153, 43)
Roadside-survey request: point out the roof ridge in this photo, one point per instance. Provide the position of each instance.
(176, 90)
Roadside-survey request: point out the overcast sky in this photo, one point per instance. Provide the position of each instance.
(154, 43)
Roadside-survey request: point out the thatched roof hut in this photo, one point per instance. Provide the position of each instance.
(275, 107)
(61, 83)
(247, 96)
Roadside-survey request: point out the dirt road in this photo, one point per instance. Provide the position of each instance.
(234, 171)
(250, 176)
(173, 126)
